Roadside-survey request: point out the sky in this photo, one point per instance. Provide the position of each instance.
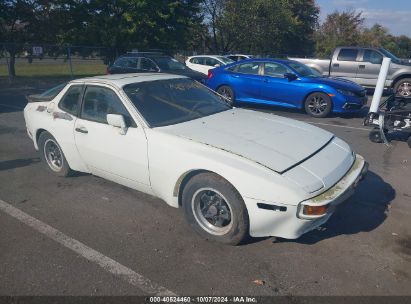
(392, 14)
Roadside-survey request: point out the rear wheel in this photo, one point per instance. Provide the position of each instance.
(318, 105)
(215, 209)
(52, 155)
(228, 93)
(402, 88)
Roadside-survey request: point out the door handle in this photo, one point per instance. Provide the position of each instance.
(336, 65)
(362, 66)
(81, 130)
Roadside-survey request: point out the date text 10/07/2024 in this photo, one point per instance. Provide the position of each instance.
(201, 299)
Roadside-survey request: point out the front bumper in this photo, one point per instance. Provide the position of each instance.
(288, 221)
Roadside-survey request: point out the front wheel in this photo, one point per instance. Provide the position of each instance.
(214, 209)
(403, 88)
(318, 104)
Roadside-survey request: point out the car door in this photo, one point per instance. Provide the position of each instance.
(107, 153)
(246, 81)
(369, 67)
(345, 64)
(278, 89)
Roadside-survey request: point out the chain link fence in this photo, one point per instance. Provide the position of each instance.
(48, 61)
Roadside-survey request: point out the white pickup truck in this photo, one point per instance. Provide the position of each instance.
(362, 65)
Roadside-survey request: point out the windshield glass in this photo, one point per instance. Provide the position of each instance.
(388, 54)
(225, 60)
(172, 101)
(303, 70)
(51, 93)
(168, 63)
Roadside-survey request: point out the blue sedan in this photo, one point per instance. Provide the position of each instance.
(286, 83)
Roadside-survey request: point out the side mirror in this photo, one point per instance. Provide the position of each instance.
(290, 76)
(117, 121)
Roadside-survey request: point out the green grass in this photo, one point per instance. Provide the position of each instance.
(54, 69)
(43, 74)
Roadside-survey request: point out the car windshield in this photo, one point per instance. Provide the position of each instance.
(168, 63)
(51, 93)
(172, 101)
(389, 55)
(303, 70)
(225, 60)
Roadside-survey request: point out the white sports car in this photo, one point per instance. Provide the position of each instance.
(235, 172)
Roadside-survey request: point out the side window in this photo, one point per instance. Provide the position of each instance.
(348, 55)
(71, 100)
(121, 62)
(132, 63)
(275, 69)
(211, 61)
(372, 56)
(248, 68)
(100, 101)
(197, 60)
(147, 65)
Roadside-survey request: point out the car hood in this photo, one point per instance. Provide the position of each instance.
(275, 142)
(338, 83)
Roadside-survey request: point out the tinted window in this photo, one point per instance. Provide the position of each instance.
(126, 63)
(211, 61)
(372, 56)
(71, 100)
(225, 60)
(168, 63)
(197, 60)
(147, 65)
(248, 68)
(51, 93)
(348, 55)
(100, 101)
(172, 101)
(303, 70)
(275, 69)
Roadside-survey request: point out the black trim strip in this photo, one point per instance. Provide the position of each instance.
(271, 207)
(308, 157)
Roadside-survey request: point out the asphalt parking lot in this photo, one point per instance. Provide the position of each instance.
(365, 248)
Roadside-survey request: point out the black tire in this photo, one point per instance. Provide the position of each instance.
(402, 88)
(318, 105)
(409, 141)
(208, 195)
(228, 93)
(375, 136)
(52, 155)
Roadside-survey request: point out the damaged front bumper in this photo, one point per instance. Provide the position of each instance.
(291, 222)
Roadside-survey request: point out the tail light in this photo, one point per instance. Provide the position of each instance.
(210, 74)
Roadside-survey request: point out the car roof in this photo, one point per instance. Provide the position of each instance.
(120, 80)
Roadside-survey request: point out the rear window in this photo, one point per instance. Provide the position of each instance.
(348, 55)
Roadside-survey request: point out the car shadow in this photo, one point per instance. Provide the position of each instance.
(363, 212)
(17, 163)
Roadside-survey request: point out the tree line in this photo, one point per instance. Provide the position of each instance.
(265, 27)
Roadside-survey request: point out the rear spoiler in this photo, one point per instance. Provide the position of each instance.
(38, 98)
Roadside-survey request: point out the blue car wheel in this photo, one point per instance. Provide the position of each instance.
(228, 93)
(318, 104)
